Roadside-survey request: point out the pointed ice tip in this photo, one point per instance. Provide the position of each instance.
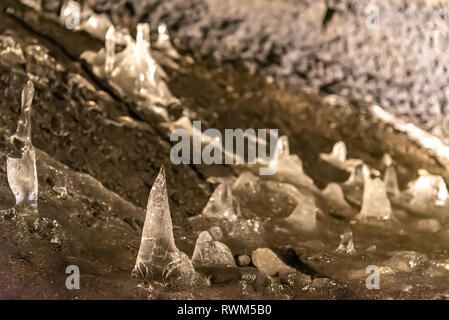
(161, 174)
(27, 94)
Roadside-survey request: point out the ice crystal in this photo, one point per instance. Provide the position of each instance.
(21, 168)
(159, 259)
(210, 253)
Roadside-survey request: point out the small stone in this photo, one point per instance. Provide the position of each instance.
(244, 260)
(267, 261)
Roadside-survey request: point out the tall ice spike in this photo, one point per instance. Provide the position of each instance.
(21, 170)
(159, 259)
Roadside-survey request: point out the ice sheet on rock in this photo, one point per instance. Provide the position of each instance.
(21, 167)
(210, 253)
(391, 182)
(375, 201)
(346, 245)
(159, 259)
(304, 215)
(336, 200)
(337, 158)
(133, 71)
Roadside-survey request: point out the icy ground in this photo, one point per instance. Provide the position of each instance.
(98, 157)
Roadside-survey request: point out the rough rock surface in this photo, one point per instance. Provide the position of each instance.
(321, 44)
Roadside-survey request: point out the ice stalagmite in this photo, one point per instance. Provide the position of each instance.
(336, 199)
(159, 259)
(428, 190)
(304, 215)
(223, 209)
(391, 182)
(21, 170)
(110, 50)
(163, 41)
(347, 243)
(337, 157)
(375, 201)
(210, 253)
(222, 204)
(358, 176)
(289, 167)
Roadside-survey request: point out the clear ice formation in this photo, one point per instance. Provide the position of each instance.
(290, 168)
(375, 201)
(336, 199)
(163, 42)
(159, 259)
(391, 182)
(21, 170)
(346, 244)
(133, 71)
(266, 198)
(337, 158)
(428, 189)
(222, 204)
(224, 208)
(210, 253)
(304, 215)
(358, 176)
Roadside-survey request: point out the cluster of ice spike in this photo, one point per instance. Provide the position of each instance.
(21, 165)
(133, 71)
(159, 260)
(426, 197)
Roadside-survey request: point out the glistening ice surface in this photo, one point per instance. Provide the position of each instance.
(354, 187)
